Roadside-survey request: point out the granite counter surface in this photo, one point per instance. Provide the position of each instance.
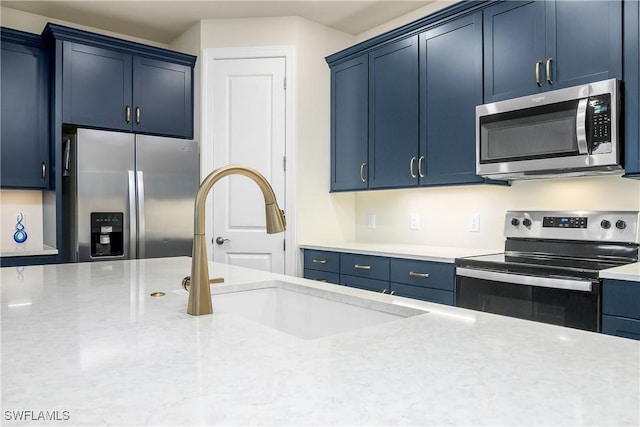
(87, 344)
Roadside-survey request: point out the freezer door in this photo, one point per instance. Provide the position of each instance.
(105, 165)
(168, 176)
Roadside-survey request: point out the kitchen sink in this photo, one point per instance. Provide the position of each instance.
(306, 316)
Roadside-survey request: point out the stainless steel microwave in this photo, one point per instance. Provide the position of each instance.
(573, 131)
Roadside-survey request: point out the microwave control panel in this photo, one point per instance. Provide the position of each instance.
(599, 123)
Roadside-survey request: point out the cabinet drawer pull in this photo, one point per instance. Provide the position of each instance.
(420, 168)
(384, 291)
(44, 171)
(362, 267)
(127, 114)
(538, 82)
(392, 293)
(362, 177)
(411, 165)
(321, 280)
(548, 70)
(137, 115)
(414, 274)
(320, 261)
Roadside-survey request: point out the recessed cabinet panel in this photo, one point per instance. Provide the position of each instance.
(393, 114)
(25, 113)
(162, 101)
(96, 87)
(349, 125)
(450, 89)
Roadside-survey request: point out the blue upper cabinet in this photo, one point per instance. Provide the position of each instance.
(450, 89)
(632, 88)
(109, 83)
(25, 111)
(162, 97)
(393, 114)
(96, 87)
(349, 124)
(536, 46)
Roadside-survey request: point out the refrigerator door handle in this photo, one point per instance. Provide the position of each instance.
(141, 225)
(132, 215)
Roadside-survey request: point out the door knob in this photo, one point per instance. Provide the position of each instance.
(220, 240)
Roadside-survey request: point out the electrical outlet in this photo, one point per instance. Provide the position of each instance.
(474, 222)
(414, 221)
(371, 220)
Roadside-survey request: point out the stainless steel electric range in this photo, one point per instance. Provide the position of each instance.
(549, 271)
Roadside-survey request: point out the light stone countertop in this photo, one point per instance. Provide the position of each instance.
(86, 343)
(26, 249)
(629, 272)
(418, 252)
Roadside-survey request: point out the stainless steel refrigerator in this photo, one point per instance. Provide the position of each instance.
(127, 196)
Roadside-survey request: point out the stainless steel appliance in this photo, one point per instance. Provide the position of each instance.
(549, 271)
(573, 131)
(127, 196)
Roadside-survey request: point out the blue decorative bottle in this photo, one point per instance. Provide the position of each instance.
(20, 236)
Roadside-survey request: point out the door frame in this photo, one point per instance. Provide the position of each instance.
(210, 55)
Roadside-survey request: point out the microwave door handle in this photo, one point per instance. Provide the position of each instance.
(581, 126)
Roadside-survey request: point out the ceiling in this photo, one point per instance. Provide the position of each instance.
(163, 21)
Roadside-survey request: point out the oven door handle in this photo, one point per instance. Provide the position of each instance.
(544, 282)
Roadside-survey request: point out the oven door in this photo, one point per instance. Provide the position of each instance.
(573, 303)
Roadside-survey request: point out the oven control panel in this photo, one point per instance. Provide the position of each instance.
(565, 221)
(613, 226)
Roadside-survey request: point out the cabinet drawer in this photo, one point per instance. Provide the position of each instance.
(621, 327)
(423, 273)
(321, 276)
(621, 298)
(369, 266)
(322, 260)
(364, 283)
(426, 294)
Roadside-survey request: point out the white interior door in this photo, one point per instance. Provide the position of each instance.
(248, 128)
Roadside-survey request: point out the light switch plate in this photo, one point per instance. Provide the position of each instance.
(371, 220)
(474, 222)
(414, 221)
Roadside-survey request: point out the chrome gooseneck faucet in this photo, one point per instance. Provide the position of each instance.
(199, 292)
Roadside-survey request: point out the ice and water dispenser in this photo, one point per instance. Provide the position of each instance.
(107, 234)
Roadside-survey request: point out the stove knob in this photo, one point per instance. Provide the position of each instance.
(515, 222)
(621, 225)
(605, 223)
(526, 222)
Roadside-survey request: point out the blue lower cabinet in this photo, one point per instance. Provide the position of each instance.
(429, 274)
(365, 283)
(621, 326)
(322, 260)
(321, 276)
(426, 294)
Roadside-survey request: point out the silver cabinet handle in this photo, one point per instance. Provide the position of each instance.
(362, 177)
(581, 126)
(319, 261)
(137, 115)
(538, 82)
(548, 70)
(420, 168)
(362, 267)
(384, 291)
(414, 274)
(411, 165)
(44, 171)
(127, 114)
(392, 293)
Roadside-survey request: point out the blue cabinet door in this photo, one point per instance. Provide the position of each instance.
(349, 124)
(162, 98)
(632, 88)
(393, 114)
(450, 89)
(96, 85)
(545, 45)
(25, 112)
(584, 42)
(514, 49)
